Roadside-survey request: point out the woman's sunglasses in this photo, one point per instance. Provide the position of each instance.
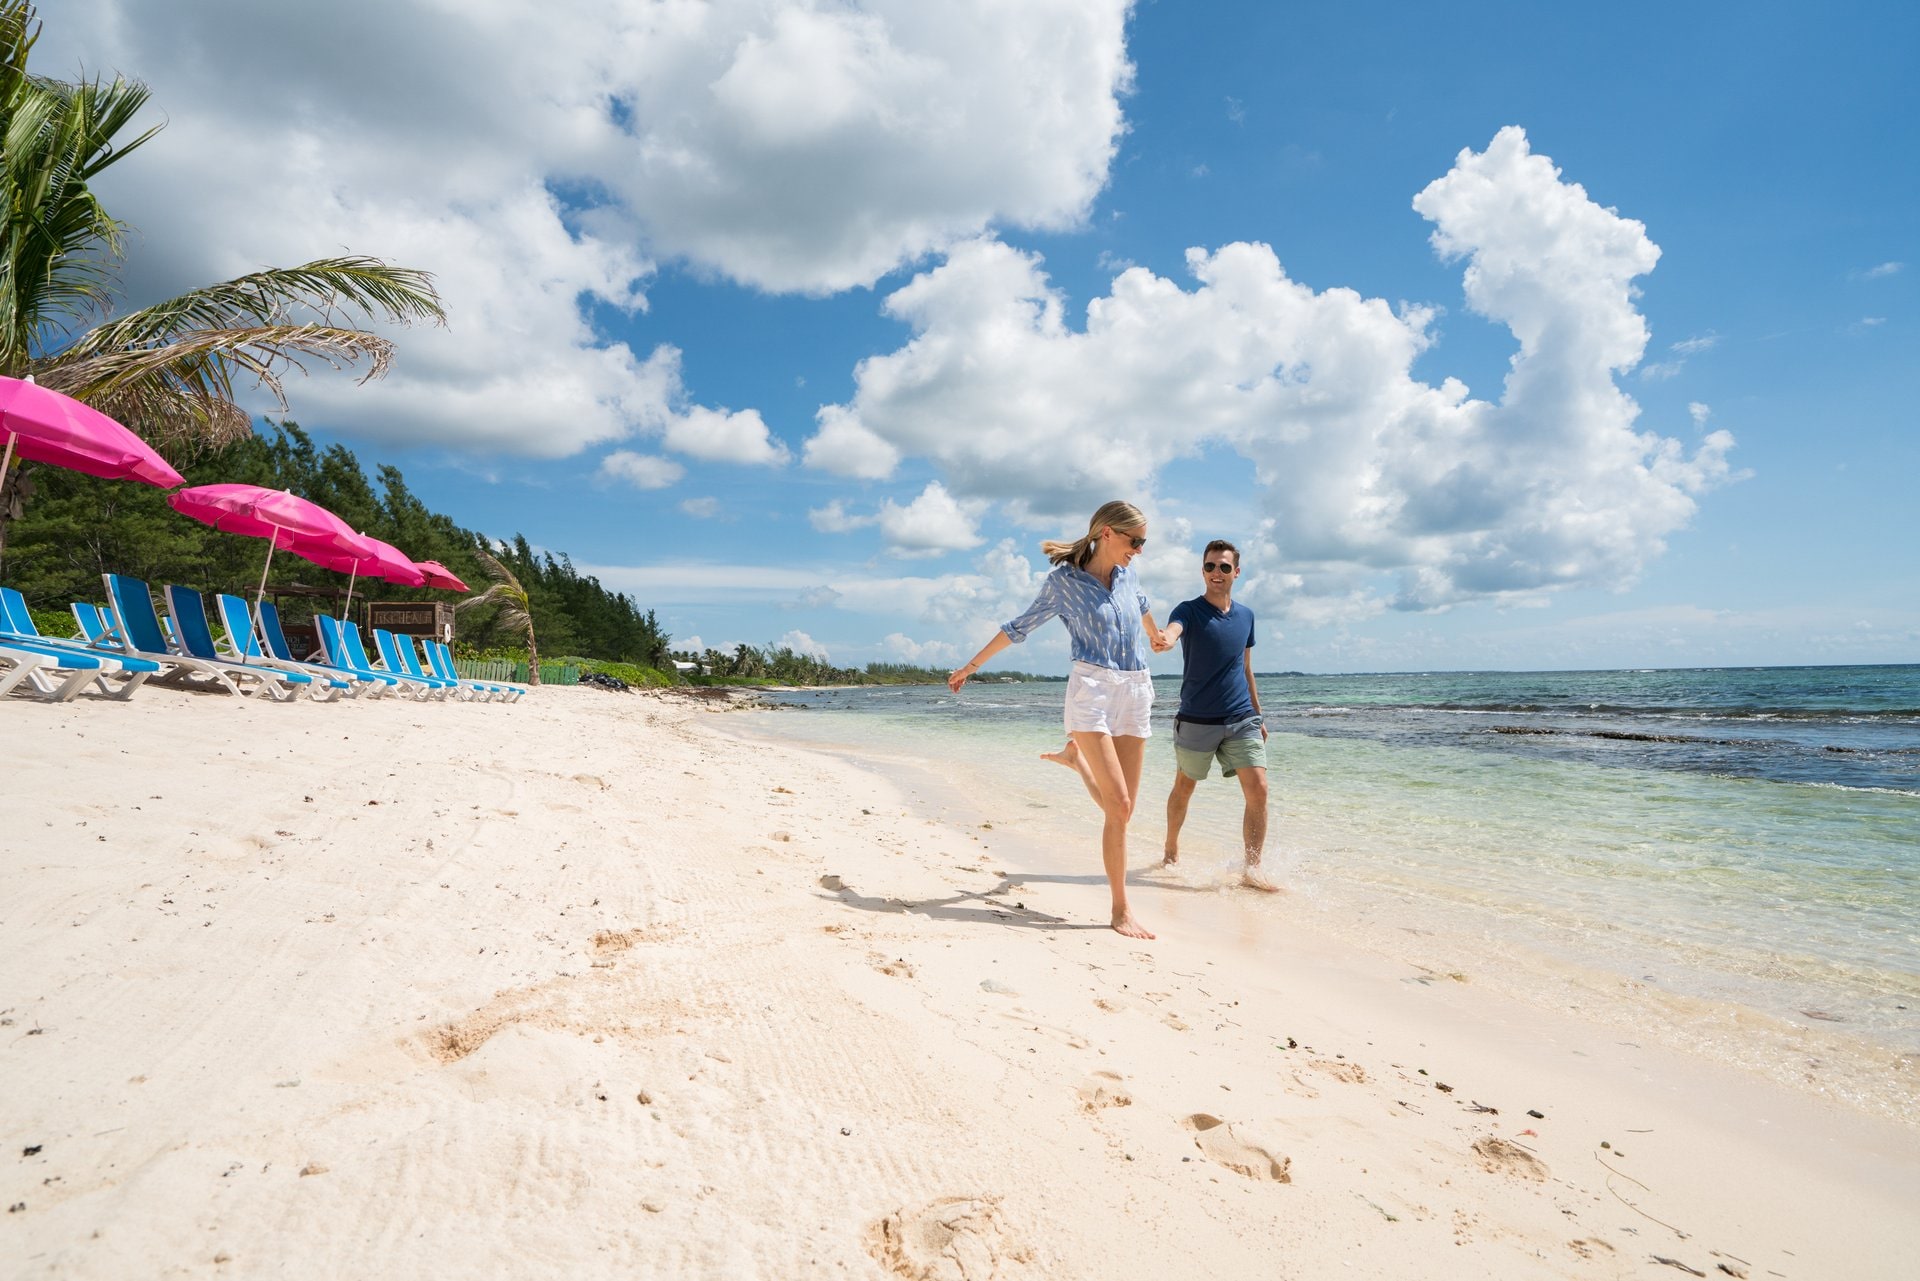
(1138, 543)
(1217, 567)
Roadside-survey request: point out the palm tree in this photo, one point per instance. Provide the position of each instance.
(167, 371)
(516, 608)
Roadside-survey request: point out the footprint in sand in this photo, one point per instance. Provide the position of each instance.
(1498, 1156)
(1103, 1090)
(1351, 1073)
(898, 967)
(1239, 1149)
(955, 1238)
(607, 942)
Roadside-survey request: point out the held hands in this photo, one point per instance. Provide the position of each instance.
(1162, 641)
(958, 677)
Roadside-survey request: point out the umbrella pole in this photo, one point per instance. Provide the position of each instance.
(5, 463)
(261, 594)
(352, 578)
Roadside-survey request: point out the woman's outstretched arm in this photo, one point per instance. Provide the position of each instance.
(959, 677)
(1159, 640)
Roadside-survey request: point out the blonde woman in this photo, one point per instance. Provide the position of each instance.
(1092, 589)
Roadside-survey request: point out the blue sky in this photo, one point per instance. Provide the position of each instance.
(777, 314)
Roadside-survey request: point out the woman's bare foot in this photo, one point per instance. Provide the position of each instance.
(1068, 756)
(1123, 923)
(1255, 879)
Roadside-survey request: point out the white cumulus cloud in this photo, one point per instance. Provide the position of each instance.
(539, 163)
(935, 522)
(814, 147)
(642, 471)
(1365, 469)
(801, 643)
(900, 645)
(719, 436)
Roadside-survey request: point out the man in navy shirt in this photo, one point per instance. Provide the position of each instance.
(1219, 717)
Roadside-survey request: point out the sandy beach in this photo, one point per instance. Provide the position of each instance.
(601, 985)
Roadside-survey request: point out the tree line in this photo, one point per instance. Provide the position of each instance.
(783, 665)
(73, 528)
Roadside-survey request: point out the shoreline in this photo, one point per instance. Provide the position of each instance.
(593, 985)
(1873, 1074)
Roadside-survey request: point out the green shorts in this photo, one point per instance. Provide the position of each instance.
(1238, 746)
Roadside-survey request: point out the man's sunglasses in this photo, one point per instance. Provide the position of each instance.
(1217, 567)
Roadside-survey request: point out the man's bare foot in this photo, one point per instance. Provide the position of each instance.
(1171, 857)
(1255, 879)
(1068, 756)
(1123, 923)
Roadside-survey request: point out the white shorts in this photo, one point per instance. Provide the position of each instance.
(1105, 701)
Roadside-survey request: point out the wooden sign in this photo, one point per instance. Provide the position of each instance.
(412, 618)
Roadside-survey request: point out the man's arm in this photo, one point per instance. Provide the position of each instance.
(1253, 690)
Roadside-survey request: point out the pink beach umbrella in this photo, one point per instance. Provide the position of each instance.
(284, 519)
(45, 426)
(440, 576)
(368, 556)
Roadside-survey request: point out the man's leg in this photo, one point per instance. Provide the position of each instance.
(1177, 813)
(1253, 826)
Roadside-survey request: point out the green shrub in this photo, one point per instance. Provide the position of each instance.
(53, 622)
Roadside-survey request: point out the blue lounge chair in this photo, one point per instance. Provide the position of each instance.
(38, 658)
(243, 641)
(274, 637)
(396, 655)
(95, 630)
(51, 674)
(341, 641)
(187, 611)
(134, 628)
(440, 663)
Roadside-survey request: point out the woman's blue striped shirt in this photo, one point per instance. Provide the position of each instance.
(1103, 622)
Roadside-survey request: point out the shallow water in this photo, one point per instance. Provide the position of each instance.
(1749, 835)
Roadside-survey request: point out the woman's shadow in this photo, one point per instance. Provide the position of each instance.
(986, 907)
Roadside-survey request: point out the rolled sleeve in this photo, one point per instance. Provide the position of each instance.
(1046, 605)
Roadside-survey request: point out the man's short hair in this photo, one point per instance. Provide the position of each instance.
(1222, 545)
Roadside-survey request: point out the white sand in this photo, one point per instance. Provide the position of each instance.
(584, 987)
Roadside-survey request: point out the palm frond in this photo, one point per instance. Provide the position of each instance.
(191, 352)
(58, 245)
(171, 415)
(170, 371)
(516, 609)
(322, 293)
(206, 361)
(506, 592)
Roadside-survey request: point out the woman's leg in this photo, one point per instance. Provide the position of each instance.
(1114, 766)
(1072, 757)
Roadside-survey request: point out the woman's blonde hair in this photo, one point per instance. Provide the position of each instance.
(1124, 517)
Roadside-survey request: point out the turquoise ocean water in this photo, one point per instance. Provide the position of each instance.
(1732, 835)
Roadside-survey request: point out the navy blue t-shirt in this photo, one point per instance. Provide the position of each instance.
(1213, 687)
